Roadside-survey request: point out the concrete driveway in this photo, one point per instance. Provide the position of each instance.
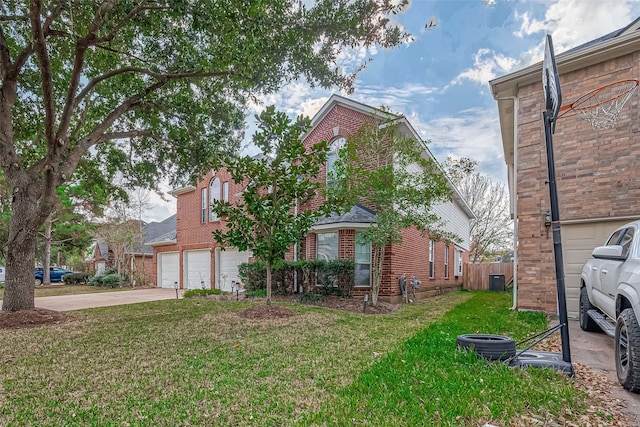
(596, 350)
(103, 299)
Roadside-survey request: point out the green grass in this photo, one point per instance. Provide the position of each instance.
(57, 290)
(195, 362)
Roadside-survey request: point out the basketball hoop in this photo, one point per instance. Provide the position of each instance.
(601, 106)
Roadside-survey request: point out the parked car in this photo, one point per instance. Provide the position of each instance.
(2, 273)
(55, 273)
(610, 299)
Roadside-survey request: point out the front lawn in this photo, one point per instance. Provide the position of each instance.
(195, 362)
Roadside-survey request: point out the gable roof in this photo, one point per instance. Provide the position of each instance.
(404, 127)
(357, 215)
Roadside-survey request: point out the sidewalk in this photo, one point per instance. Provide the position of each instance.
(103, 299)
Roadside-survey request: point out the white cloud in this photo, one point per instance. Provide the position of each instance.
(472, 133)
(573, 22)
(487, 65)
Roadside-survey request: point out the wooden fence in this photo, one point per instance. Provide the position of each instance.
(476, 276)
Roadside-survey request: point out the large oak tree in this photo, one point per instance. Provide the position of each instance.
(148, 89)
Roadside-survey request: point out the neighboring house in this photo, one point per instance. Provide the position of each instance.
(99, 258)
(139, 257)
(597, 178)
(193, 260)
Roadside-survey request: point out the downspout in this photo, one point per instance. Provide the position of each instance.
(515, 203)
(515, 198)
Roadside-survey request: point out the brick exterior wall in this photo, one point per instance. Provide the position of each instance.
(191, 232)
(595, 170)
(411, 256)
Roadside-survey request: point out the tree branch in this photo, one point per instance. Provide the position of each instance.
(159, 76)
(114, 31)
(39, 45)
(14, 18)
(124, 134)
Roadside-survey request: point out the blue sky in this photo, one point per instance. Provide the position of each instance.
(439, 79)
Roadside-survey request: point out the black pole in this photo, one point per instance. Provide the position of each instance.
(557, 240)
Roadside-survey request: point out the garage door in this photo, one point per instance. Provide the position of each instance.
(228, 268)
(578, 241)
(197, 269)
(168, 269)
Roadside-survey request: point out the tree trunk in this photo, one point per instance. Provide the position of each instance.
(27, 216)
(378, 264)
(268, 283)
(46, 275)
(21, 252)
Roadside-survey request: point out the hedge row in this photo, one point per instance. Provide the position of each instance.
(334, 277)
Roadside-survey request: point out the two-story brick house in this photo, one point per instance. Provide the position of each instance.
(193, 259)
(597, 180)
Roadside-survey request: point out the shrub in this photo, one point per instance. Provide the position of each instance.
(328, 277)
(111, 280)
(76, 278)
(201, 292)
(258, 293)
(95, 281)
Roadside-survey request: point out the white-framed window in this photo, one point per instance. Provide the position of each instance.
(432, 249)
(446, 261)
(203, 214)
(225, 191)
(327, 246)
(362, 260)
(332, 156)
(458, 262)
(214, 194)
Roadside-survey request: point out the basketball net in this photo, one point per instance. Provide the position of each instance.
(601, 107)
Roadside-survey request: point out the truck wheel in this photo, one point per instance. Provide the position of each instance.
(628, 350)
(492, 347)
(586, 322)
(38, 281)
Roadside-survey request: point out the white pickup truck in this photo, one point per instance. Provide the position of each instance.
(610, 299)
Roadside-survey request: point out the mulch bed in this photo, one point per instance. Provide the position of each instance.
(31, 318)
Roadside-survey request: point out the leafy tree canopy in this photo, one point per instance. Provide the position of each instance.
(144, 89)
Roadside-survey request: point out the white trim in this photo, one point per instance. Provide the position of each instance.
(161, 243)
(176, 192)
(341, 226)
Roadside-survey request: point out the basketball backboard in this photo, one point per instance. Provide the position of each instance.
(551, 80)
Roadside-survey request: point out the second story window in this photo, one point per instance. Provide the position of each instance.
(203, 215)
(214, 194)
(225, 191)
(332, 156)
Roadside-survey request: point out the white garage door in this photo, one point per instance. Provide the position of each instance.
(229, 261)
(168, 270)
(578, 241)
(197, 269)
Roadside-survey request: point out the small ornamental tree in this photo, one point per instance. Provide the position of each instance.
(268, 220)
(395, 177)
